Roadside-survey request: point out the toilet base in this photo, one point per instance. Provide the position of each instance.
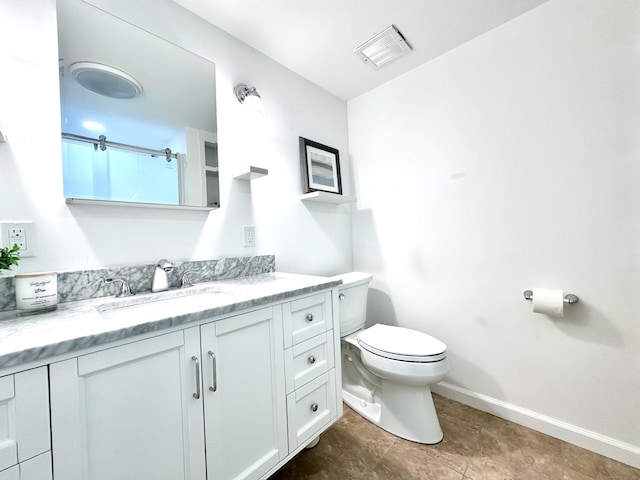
(370, 411)
(405, 411)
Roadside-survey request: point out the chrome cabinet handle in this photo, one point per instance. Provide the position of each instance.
(341, 296)
(197, 362)
(214, 375)
(310, 317)
(314, 407)
(312, 359)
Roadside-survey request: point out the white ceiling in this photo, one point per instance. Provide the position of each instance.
(316, 38)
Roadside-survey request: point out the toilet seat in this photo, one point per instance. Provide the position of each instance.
(398, 343)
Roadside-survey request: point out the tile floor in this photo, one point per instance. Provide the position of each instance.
(476, 446)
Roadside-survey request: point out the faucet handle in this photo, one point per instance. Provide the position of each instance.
(125, 289)
(185, 281)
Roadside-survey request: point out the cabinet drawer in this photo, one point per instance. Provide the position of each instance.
(309, 359)
(310, 408)
(307, 317)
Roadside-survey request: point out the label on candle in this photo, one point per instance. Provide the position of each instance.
(36, 291)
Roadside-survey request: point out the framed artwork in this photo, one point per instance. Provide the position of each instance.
(320, 167)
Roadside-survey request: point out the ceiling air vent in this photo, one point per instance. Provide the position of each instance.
(383, 48)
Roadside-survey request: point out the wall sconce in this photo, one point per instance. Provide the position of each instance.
(249, 96)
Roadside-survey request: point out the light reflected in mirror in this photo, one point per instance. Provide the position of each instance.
(142, 129)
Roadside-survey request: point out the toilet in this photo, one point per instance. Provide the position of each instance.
(387, 370)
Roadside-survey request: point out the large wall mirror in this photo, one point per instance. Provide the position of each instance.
(138, 114)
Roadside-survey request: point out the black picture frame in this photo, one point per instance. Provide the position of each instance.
(320, 167)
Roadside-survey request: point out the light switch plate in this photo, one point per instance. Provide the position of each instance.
(249, 233)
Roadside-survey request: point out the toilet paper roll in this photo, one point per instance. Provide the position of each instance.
(548, 301)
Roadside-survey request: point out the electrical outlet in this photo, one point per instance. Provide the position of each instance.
(249, 232)
(18, 233)
(18, 236)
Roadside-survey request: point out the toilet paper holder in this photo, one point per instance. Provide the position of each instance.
(569, 298)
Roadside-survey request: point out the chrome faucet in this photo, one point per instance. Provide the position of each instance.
(160, 280)
(125, 289)
(185, 280)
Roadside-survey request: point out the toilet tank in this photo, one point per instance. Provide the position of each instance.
(352, 305)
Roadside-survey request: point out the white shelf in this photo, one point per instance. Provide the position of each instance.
(326, 197)
(250, 173)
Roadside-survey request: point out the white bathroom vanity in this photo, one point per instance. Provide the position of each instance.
(226, 381)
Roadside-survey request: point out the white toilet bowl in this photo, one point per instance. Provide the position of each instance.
(387, 370)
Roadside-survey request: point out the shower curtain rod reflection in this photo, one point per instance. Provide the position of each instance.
(103, 143)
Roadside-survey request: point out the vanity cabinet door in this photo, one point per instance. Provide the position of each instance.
(130, 412)
(24, 417)
(37, 468)
(244, 395)
(12, 473)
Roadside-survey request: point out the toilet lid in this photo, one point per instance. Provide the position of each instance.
(400, 343)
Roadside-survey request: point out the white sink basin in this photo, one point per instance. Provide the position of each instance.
(163, 304)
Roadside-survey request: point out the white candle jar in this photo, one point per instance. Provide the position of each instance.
(36, 292)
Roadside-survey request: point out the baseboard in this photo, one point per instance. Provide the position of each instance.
(609, 447)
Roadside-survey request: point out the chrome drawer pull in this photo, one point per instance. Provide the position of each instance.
(214, 374)
(312, 359)
(197, 394)
(314, 407)
(341, 296)
(310, 317)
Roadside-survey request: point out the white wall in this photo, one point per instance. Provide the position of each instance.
(510, 163)
(305, 239)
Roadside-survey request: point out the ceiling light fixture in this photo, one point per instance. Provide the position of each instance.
(383, 48)
(249, 96)
(105, 80)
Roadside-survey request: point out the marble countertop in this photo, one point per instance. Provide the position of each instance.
(77, 325)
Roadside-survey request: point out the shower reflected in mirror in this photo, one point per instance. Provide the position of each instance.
(138, 114)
